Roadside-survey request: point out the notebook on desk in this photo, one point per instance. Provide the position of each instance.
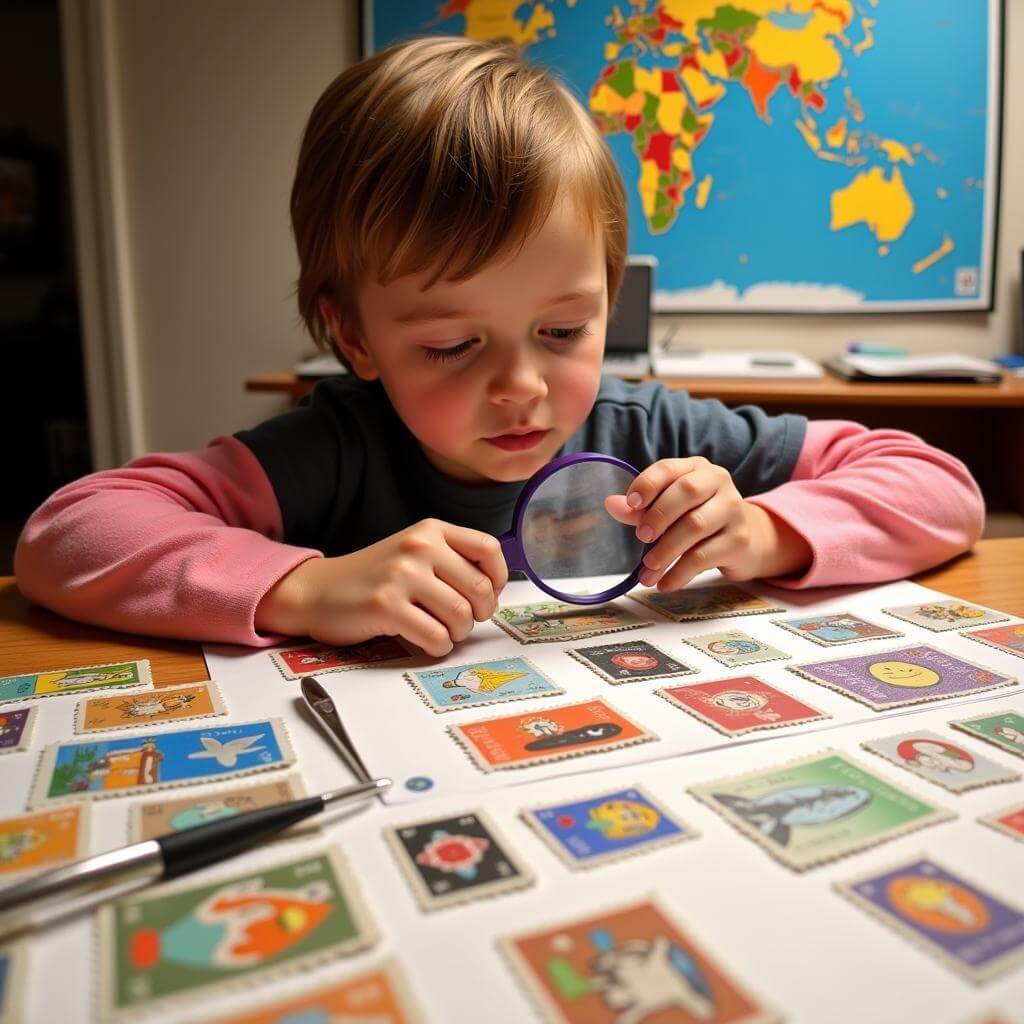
(951, 367)
(755, 363)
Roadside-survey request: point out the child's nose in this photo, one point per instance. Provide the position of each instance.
(519, 380)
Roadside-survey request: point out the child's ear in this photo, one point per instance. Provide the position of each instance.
(348, 342)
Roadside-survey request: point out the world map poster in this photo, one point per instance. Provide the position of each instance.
(825, 156)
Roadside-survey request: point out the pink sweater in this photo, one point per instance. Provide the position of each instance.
(185, 545)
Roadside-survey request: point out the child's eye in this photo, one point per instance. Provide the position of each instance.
(444, 355)
(569, 333)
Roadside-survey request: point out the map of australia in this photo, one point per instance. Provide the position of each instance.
(781, 154)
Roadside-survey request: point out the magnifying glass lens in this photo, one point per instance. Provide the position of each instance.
(566, 531)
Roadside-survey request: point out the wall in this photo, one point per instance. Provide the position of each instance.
(215, 97)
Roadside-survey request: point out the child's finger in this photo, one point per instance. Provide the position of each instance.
(615, 505)
(690, 529)
(683, 494)
(708, 554)
(467, 579)
(655, 478)
(481, 548)
(423, 630)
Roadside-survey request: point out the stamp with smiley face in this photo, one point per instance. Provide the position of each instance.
(630, 660)
(907, 675)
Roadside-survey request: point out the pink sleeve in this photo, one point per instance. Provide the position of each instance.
(874, 505)
(178, 545)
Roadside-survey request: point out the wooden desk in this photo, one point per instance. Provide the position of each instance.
(981, 424)
(32, 638)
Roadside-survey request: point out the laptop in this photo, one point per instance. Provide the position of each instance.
(627, 349)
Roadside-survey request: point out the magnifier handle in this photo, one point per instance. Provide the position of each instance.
(512, 551)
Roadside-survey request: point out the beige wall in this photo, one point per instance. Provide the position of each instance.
(214, 98)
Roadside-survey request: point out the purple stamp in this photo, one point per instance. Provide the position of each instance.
(16, 727)
(970, 930)
(907, 675)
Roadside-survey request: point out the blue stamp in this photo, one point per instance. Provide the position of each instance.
(451, 687)
(419, 783)
(605, 827)
(94, 768)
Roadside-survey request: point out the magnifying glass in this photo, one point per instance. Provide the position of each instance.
(562, 531)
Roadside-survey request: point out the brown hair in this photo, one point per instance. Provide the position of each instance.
(446, 153)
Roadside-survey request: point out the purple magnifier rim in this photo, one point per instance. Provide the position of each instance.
(512, 547)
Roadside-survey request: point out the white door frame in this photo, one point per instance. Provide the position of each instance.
(113, 380)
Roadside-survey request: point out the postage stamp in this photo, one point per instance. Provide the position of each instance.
(150, 818)
(939, 616)
(37, 842)
(628, 963)
(734, 648)
(606, 827)
(16, 728)
(977, 934)
(741, 704)
(312, 659)
(569, 730)
(630, 660)
(379, 995)
(936, 759)
(1009, 821)
(817, 809)
(714, 602)
(185, 940)
(456, 859)
(451, 687)
(1004, 728)
(554, 620)
(907, 675)
(75, 680)
(13, 968)
(836, 628)
(1008, 639)
(152, 707)
(92, 769)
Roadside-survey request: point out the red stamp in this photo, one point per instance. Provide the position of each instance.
(314, 659)
(739, 705)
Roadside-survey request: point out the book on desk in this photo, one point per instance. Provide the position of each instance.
(950, 367)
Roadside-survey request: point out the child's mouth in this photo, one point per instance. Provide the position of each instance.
(518, 442)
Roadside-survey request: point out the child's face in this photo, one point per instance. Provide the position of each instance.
(513, 359)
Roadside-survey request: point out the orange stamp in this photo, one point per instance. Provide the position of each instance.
(153, 707)
(35, 842)
(518, 741)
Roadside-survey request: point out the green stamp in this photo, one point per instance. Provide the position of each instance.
(186, 941)
(817, 809)
(1003, 728)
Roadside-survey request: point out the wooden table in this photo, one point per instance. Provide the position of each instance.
(33, 639)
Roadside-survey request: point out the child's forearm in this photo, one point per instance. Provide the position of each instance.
(874, 505)
(180, 545)
(785, 551)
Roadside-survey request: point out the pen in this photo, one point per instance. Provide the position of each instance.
(171, 855)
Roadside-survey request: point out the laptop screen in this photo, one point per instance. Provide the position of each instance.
(630, 324)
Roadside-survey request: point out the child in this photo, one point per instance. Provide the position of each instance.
(461, 231)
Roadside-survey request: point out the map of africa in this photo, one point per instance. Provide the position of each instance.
(779, 155)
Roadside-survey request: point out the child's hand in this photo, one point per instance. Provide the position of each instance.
(694, 516)
(427, 583)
